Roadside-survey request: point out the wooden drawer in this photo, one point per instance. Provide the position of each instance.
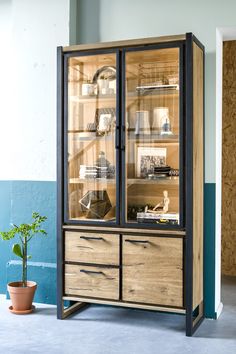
(89, 281)
(93, 248)
(152, 270)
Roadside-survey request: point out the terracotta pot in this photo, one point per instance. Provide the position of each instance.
(21, 297)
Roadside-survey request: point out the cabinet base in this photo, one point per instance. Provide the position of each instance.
(126, 304)
(193, 321)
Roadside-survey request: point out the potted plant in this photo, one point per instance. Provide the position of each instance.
(22, 292)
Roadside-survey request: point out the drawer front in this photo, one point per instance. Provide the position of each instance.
(89, 281)
(152, 270)
(93, 248)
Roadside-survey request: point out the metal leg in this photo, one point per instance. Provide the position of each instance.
(194, 319)
(66, 312)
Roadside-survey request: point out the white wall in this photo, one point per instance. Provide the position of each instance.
(30, 32)
(126, 19)
(218, 132)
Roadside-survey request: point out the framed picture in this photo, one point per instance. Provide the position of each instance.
(105, 119)
(148, 157)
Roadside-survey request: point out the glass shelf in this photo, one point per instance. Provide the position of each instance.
(91, 136)
(93, 98)
(92, 180)
(160, 180)
(152, 137)
(151, 93)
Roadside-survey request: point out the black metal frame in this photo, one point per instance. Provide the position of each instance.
(60, 195)
(67, 56)
(186, 165)
(124, 223)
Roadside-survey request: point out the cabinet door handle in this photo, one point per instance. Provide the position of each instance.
(136, 241)
(117, 143)
(123, 138)
(92, 238)
(90, 271)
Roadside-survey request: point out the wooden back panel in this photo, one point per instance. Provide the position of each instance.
(198, 175)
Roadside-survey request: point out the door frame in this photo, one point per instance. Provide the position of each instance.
(222, 34)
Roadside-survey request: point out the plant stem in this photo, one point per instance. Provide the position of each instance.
(24, 263)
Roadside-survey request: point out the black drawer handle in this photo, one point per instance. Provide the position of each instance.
(136, 241)
(90, 272)
(92, 238)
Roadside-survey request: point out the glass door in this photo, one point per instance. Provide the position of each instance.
(92, 158)
(152, 136)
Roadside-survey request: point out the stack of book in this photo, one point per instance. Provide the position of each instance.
(88, 171)
(162, 171)
(96, 172)
(158, 218)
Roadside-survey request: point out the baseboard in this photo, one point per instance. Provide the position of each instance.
(219, 310)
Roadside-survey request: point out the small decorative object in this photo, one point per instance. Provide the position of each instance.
(160, 172)
(159, 114)
(158, 218)
(96, 203)
(105, 78)
(162, 206)
(148, 158)
(91, 127)
(166, 127)
(102, 169)
(88, 89)
(102, 161)
(142, 123)
(174, 172)
(134, 209)
(105, 169)
(22, 292)
(105, 120)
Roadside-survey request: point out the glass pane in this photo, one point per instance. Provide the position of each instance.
(91, 137)
(152, 136)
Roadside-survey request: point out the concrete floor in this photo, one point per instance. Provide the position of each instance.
(108, 330)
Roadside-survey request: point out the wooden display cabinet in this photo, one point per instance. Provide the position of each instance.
(130, 176)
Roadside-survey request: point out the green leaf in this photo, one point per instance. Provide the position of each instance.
(29, 257)
(17, 250)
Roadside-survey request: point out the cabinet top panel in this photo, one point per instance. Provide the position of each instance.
(125, 43)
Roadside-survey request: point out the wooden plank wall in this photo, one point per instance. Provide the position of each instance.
(198, 182)
(229, 160)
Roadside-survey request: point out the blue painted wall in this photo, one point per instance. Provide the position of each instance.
(209, 249)
(18, 200)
